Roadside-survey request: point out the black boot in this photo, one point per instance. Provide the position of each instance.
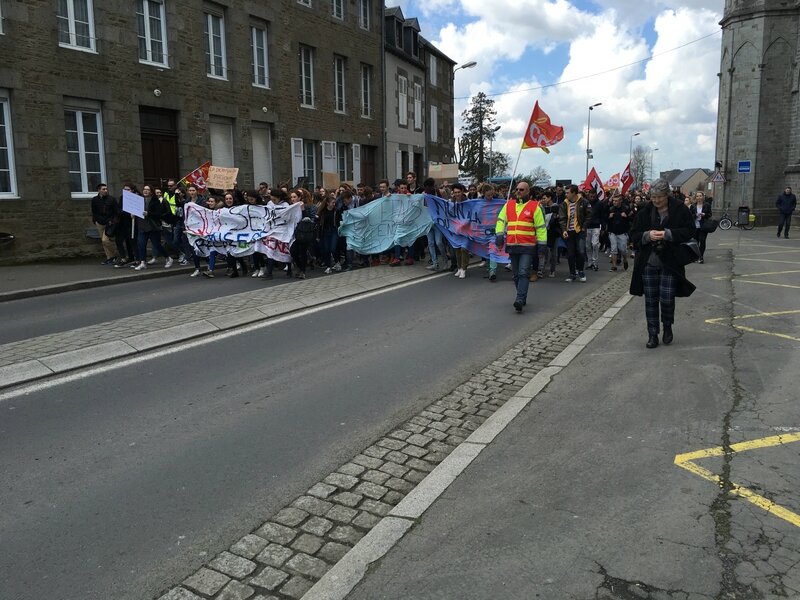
(667, 337)
(652, 341)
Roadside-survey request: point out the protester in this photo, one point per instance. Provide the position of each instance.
(573, 215)
(150, 231)
(125, 234)
(104, 218)
(619, 226)
(701, 211)
(593, 227)
(462, 254)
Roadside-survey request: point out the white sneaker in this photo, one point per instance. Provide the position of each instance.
(140, 267)
(286, 268)
(457, 273)
(336, 267)
(462, 274)
(152, 261)
(328, 271)
(168, 264)
(195, 273)
(432, 267)
(256, 273)
(482, 263)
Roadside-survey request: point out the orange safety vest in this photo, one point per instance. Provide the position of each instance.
(521, 230)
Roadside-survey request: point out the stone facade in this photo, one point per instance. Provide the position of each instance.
(759, 103)
(167, 107)
(439, 96)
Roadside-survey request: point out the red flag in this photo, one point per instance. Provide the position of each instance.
(593, 182)
(541, 132)
(613, 182)
(626, 179)
(198, 177)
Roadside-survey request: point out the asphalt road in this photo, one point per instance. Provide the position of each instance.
(117, 486)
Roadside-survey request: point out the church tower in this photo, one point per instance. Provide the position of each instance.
(758, 103)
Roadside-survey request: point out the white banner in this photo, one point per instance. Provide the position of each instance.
(133, 203)
(242, 230)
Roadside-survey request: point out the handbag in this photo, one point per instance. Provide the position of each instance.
(709, 225)
(686, 253)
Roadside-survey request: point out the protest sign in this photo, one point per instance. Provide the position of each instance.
(133, 204)
(395, 220)
(469, 224)
(330, 181)
(242, 230)
(222, 178)
(440, 171)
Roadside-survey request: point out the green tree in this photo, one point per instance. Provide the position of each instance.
(479, 127)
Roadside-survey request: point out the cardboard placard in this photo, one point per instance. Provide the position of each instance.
(222, 178)
(443, 170)
(330, 181)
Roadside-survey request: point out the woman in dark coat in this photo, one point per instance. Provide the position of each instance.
(660, 227)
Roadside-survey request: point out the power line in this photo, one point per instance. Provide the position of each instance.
(550, 85)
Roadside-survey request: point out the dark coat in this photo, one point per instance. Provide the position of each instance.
(786, 203)
(681, 225)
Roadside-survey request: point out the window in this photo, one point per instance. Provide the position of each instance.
(304, 2)
(8, 180)
(220, 130)
(432, 66)
(364, 9)
(338, 84)
(338, 9)
(259, 57)
(417, 107)
(310, 162)
(434, 125)
(84, 150)
(366, 91)
(152, 25)
(341, 162)
(402, 100)
(1, 17)
(306, 76)
(214, 41)
(262, 152)
(398, 33)
(75, 24)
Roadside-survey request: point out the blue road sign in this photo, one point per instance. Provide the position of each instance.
(744, 166)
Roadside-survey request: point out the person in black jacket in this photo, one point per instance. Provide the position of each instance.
(618, 222)
(104, 213)
(659, 228)
(701, 211)
(150, 230)
(786, 203)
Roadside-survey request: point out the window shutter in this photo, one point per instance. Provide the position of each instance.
(398, 165)
(356, 163)
(329, 162)
(298, 169)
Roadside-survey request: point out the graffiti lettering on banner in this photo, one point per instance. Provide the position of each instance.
(395, 220)
(469, 224)
(242, 230)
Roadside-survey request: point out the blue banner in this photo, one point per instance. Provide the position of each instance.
(469, 224)
(395, 220)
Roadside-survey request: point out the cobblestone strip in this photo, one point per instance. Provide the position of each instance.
(283, 558)
(339, 285)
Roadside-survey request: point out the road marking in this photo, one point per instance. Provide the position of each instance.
(726, 277)
(723, 320)
(684, 461)
(783, 285)
(785, 262)
(731, 244)
(767, 253)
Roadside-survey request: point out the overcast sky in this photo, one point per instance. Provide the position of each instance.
(520, 45)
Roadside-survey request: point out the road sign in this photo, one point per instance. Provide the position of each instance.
(744, 166)
(718, 178)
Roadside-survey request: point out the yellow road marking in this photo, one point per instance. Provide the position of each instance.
(783, 285)
(763, 314)
(783, 336)
(757, 274)
(785, 262)
(772, 333)
(766, 253)
(684, 461)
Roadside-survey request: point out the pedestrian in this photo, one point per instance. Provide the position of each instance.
(104, 218)
(701, 211)
(660, 227)
(462, 254)
(149, 229)
(573, 214)
(786, 203)
(521, 229)
(619, 226)
(593, 227)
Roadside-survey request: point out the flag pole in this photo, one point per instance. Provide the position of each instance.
(514, 173)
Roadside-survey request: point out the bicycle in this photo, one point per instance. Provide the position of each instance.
(726, 223)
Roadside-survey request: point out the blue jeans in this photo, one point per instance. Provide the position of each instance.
(329, 242)
(435, 241)
(154, 237)
(521, 270)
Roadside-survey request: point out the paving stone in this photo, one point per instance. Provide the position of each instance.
(371, 490)
(420, 465)
(415, 476)
(341, 514)
(249, 546)
(397, 457)
(341, 481)
(440, 426)
(375, 476)
(392, 497)
(391, 444)
(366, 520)
(376, 452)
(436, 457)
(321, 490)
(206, 581)
(347, 498)
(274, 555)
(307, 565)
(400, 434)
(317, 526)
(269, 579)
(236, 591)
(291, 517)
(333, 552)
(413, 427)
(440, 447)
(279, 534)
(422, 422)
(351, 469)
(297, 586)
(419, 440)
(180, 594)
(455, 440)
(312, 505)
(394, 469)
(373, 506)
(436, 408)
(308, 543)
(232, 565)
(415, 451)
(369, 462)
(346, 534)
(399, 485)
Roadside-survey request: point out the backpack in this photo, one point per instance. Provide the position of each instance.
(306, 231)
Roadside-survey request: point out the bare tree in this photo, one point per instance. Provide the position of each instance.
(640, 164)
(539, 176)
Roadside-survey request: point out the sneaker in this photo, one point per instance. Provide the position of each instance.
(457, 273)
(301, 276)
(337, 267)
(462, 274)
(286, 268)
(328, 271)
(152, 261)
(169, 263)
(108, 261)
(552, 274)
(625, 264)
(208, 273)
(612, 269)
(582, 277)
(395, 262)
(508, 267)
(432, 267)
(140, 267)
(182, 258)
(492, 277)
(571, 279)
(256, 273)
(540, 274)
(195, 273)
(183, 262)
(409, 261)
(518, 306)
(482, 263)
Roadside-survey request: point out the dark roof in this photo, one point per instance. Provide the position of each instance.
(434, 50)
(686, 175)
(394, 11)
(413, 23)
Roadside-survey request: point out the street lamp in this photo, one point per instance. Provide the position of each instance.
(468, 65)
(630, 151)
(652, 150)
(588, 129)
(491, 154)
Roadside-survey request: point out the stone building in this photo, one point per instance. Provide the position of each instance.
(759, 103)
(139, 91)
(439, 104)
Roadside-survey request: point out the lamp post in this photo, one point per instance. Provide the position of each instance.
(588, 129)
(491, 154)
(630, 150)
(652, 151)
(467, 65)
